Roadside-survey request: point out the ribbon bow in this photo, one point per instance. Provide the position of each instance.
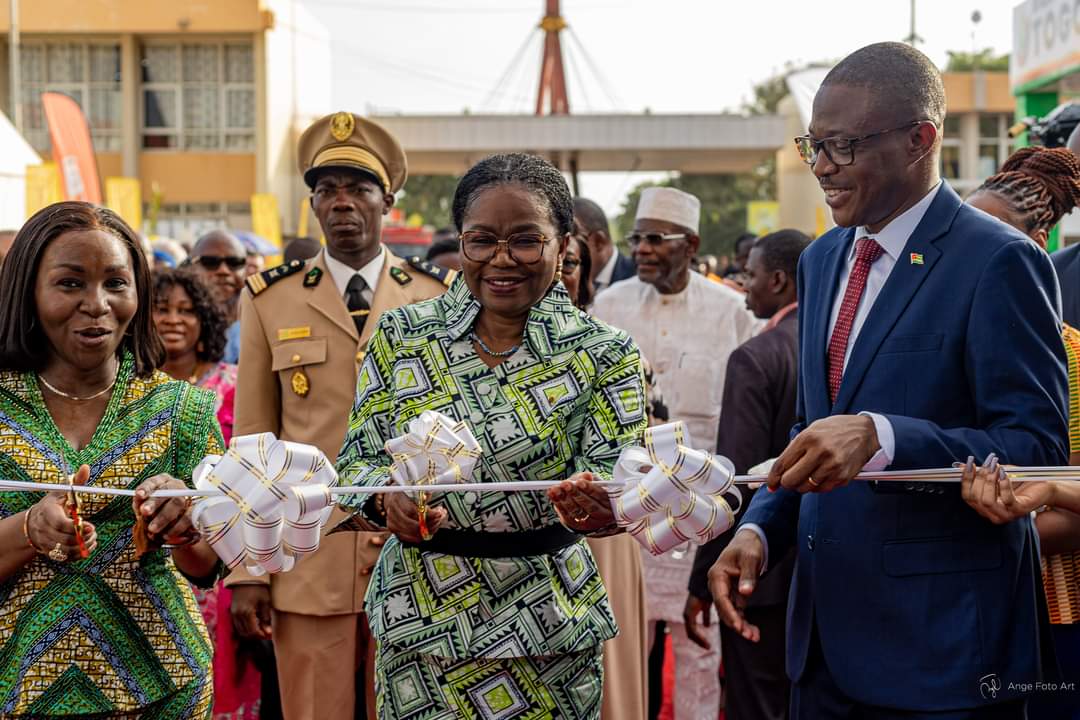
(275, 503)
(434, 450)
(670, 493)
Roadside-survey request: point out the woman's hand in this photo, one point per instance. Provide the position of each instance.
(168, 519)
(50, 524)
(993, 495)
(403, 519)
(582, 505)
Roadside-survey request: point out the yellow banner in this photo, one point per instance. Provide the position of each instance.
(42, 186)
(821, 224)
(123, 195)
(265, 218)
(302, 223)
(762, 217)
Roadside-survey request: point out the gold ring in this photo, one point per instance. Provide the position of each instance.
(813, 482)
(580, 518)
(58, 553)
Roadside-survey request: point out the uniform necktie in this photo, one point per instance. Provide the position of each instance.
(354, 300)
(866, 252)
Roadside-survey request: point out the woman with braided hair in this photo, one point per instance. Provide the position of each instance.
(1034, 189)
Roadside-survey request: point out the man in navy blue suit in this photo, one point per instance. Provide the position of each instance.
(929, 332)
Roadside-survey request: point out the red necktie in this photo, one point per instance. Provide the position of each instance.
(866, 252)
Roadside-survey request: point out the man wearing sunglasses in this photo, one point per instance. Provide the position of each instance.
(686, 326)
(305, 331)
(219, 258)
(928, 334)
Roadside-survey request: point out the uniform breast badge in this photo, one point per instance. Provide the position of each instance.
(300, 384)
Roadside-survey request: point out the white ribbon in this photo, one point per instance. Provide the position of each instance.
(436, 449)
(275, 503)
(670, 494)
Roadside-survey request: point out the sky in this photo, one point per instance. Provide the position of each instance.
(446, 56)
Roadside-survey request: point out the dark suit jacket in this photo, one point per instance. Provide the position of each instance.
(755, 425)
(625, 267)
(916, 599)
(1067, 265)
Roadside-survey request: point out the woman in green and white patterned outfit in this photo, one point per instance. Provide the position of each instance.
(502, 613)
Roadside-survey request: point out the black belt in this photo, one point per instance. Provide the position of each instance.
(476, 543)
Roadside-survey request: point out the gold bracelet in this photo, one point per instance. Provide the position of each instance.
(26, 530)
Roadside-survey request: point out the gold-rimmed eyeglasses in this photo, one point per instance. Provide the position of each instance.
(526, 248)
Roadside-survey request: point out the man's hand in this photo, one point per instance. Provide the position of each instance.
(251, 611)
(741, 561)
(826, 455)
(696, 607)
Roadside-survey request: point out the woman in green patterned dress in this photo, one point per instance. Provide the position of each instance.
(502, 613)
(109, 634)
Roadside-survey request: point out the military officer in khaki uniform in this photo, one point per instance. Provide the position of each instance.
(304, 330)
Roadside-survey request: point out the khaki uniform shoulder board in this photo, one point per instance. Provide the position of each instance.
(443, 275)
(260, 281)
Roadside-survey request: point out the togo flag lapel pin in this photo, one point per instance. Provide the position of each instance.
(916, 258)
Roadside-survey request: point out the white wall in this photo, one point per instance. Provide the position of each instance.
(295, 87)
(15, 155)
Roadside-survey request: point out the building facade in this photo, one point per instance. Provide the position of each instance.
(202, 102)
(1044, 70)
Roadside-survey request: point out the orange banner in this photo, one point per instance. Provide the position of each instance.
(73, 150)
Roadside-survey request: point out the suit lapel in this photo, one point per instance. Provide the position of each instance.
(904, 281)
(324, 298)
(818, 317)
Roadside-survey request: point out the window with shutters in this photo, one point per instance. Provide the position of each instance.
(198, 96)
(89, 73)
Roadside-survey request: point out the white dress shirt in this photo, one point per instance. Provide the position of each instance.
(687, 338)
(342, 274)
(892, 238)
(603, 278)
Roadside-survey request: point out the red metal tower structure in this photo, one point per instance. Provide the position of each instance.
(552, 75)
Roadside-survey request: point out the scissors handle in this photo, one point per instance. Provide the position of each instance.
(74, 507)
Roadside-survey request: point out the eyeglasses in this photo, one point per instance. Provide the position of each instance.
(213, 262)
(654, 239)
(525, 248)
(840, 150)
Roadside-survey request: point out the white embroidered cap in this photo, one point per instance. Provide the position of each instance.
(670, 205)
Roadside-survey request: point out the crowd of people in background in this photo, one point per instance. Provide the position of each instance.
(924, 330)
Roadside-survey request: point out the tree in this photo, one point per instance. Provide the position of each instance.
(982, 60)
(430, 197)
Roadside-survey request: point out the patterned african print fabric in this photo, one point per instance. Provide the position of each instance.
(412, 686)
(1071, 336)
(1061, 573)
(568, 400)
(107, 636)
